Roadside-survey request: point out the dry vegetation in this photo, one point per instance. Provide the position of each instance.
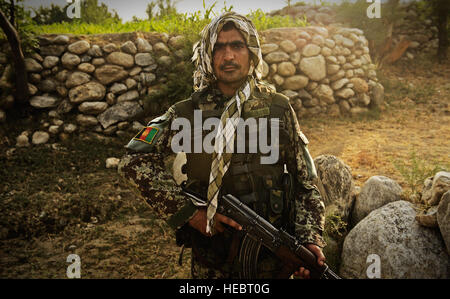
(57, 202)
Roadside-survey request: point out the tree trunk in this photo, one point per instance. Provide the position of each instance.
(18, 59)
(442, 7)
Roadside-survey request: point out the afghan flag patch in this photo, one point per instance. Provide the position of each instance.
(147, 135)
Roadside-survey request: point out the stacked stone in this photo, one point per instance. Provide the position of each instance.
(409, 25)
(316, 15)
(422, 34)
(101, 84)
(321, 72)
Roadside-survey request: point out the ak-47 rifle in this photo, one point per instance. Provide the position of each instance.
(259, 232)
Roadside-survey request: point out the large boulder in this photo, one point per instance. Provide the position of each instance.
(443, 218)
(405, 248)
(441, 184)
(376, 192)
(336, 178)
(314, 67)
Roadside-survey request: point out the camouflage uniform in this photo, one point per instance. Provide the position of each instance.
(148, 167)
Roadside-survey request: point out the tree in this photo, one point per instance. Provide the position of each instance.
(441, 11)
(165, 8)
(93, 13)
(50, 15)
(17, 54)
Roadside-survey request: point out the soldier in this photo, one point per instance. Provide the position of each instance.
(227, 85)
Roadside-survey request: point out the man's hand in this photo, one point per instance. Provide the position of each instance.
(304, 273)
(198, 221)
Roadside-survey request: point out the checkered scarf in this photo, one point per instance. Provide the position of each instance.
(204, 77)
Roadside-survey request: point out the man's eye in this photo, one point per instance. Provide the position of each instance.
(238, 46)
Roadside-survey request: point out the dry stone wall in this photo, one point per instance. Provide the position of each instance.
(97, 82)
(411, 25)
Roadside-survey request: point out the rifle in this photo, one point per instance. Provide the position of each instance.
(259, 231)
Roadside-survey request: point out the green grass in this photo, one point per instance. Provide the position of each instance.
(185, 24)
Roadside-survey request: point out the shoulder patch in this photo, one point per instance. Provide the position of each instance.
(147, 134)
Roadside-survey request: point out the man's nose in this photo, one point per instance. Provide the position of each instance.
(229, 54)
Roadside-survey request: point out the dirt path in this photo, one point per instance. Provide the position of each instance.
(415, 119)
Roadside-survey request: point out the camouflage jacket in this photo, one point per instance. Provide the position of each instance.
(147, 166)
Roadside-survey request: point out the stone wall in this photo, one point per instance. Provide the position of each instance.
(410, 26)
(97, 82)
(321, 71)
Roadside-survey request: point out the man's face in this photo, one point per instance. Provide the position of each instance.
(231, 58)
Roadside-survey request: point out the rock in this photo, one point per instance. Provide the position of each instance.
(277, 80)
(47, 85)
(91, 91)
(295, 57)
(98, 61)
(107, 74)
(40, 137)
(406, 249)
(118, 88)
(286, 69)
(443, 218)
(22, 141)
(359, 85)
(311, 50)
(338, 84)
(120, 112)
(377, 95)
(86, 120)
(276, 57)
(50, 62)
(128, 96)
(165, 61)
(79, 47)
(112, 162)
(332, 69)
(109, 48)
(86, 67)
(441, 184)
(143, 46)
(32, 65)
(336, 178)
(2, 116)
(70, 61)
(76, 79)
(53, 50)
(129, 47)
(64, 107)
(177, 42)
(69, 128)
(122, 59)
(268, 48)
(325, 93)
(61, 40)
(95, 51)
(376, 192)
(288, 46)
(318, 40)
(429, 219)
(92, 107)
(426, 190)
(44, 101)
(295, 82)
(314, 67)
(144, 59)
(345, 93)
(147, 79)
(161, 48)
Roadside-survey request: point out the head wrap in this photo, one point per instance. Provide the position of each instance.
(203, 50)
